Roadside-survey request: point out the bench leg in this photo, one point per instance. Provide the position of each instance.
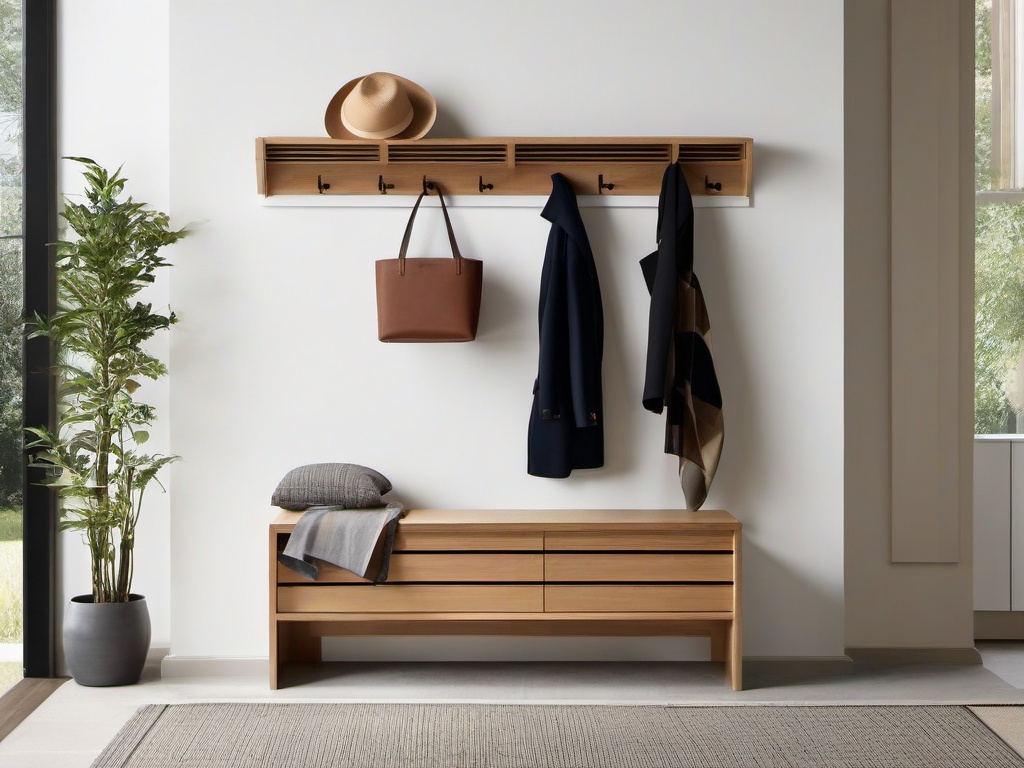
(734, 658)
(275, 663)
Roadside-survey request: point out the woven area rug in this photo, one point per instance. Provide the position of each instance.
(557, 736)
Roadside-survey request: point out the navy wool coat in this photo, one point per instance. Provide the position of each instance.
(567, 420)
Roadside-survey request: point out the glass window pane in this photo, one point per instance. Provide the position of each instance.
(999, 235)
(10, 461)
(11, 82)
(11, 334)
(999, 318)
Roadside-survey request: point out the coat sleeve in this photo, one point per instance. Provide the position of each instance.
(586, 330)
(553, 330)
(661, 274)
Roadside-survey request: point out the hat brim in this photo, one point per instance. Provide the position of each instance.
(424, 110)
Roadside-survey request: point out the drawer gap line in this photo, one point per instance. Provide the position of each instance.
(651, 552)
(639, 583)
(467, 552)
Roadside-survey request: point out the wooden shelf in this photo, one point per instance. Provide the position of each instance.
(713, 166)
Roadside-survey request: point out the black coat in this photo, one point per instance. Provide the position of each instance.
(567, 420)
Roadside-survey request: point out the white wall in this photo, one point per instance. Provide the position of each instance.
(113, 107)
(266, 371)
(276, 362)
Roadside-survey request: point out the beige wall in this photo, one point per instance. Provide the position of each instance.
(887, 604)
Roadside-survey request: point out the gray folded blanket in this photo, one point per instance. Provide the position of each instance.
(343, 537)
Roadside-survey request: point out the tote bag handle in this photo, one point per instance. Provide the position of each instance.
(448, 223)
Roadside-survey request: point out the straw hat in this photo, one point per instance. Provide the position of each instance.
(380, 106)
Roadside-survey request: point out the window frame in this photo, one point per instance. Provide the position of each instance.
(40, 228)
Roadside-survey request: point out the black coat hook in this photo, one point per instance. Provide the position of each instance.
(382, 186)
(321, 187)
(427, 186)
(601, 186)
(716, 186)
(484, 186)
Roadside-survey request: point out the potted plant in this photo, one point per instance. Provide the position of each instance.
(94, 457)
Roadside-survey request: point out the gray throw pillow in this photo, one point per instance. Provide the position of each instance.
(343, 485)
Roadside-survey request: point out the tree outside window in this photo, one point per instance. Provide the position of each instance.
(999, 238)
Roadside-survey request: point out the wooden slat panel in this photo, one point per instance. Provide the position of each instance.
(574, 519)
(447, 567)
(592, 153)
(411, 597)
(696, 153)
(450, 153)
(500, 521)
(455, 540)
(302, 152)
(588, 598)
(605, 616)
(639, 541)
(623, 567)
(329, 574)
(530, 627)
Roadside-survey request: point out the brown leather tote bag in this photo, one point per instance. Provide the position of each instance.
(428, 299)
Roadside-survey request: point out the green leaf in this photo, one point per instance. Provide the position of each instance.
(111, 253)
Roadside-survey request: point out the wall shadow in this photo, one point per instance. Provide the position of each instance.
(447, 125)
(621, 408)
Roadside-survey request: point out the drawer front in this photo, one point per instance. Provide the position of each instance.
(410, 540)
(615, 566)
(640, 541)
(625, 598)
(447, 567)
(418, 598)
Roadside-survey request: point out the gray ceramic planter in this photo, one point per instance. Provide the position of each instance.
(106, 643)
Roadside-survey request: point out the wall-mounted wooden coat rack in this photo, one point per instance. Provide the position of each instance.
(500, 166)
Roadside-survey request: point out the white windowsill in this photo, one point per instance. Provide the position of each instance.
(999, 196)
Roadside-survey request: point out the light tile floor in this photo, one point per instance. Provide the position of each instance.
(73, 725)
(1005, 658)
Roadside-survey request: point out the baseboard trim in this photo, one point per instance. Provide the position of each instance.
(914, 655)
(999, 625)
(214, 666)
(798, 659)
(156, 656)
(236, 666)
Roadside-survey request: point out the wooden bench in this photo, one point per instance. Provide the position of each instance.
(524, 572)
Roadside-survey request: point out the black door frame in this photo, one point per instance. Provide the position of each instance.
(40, 230)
